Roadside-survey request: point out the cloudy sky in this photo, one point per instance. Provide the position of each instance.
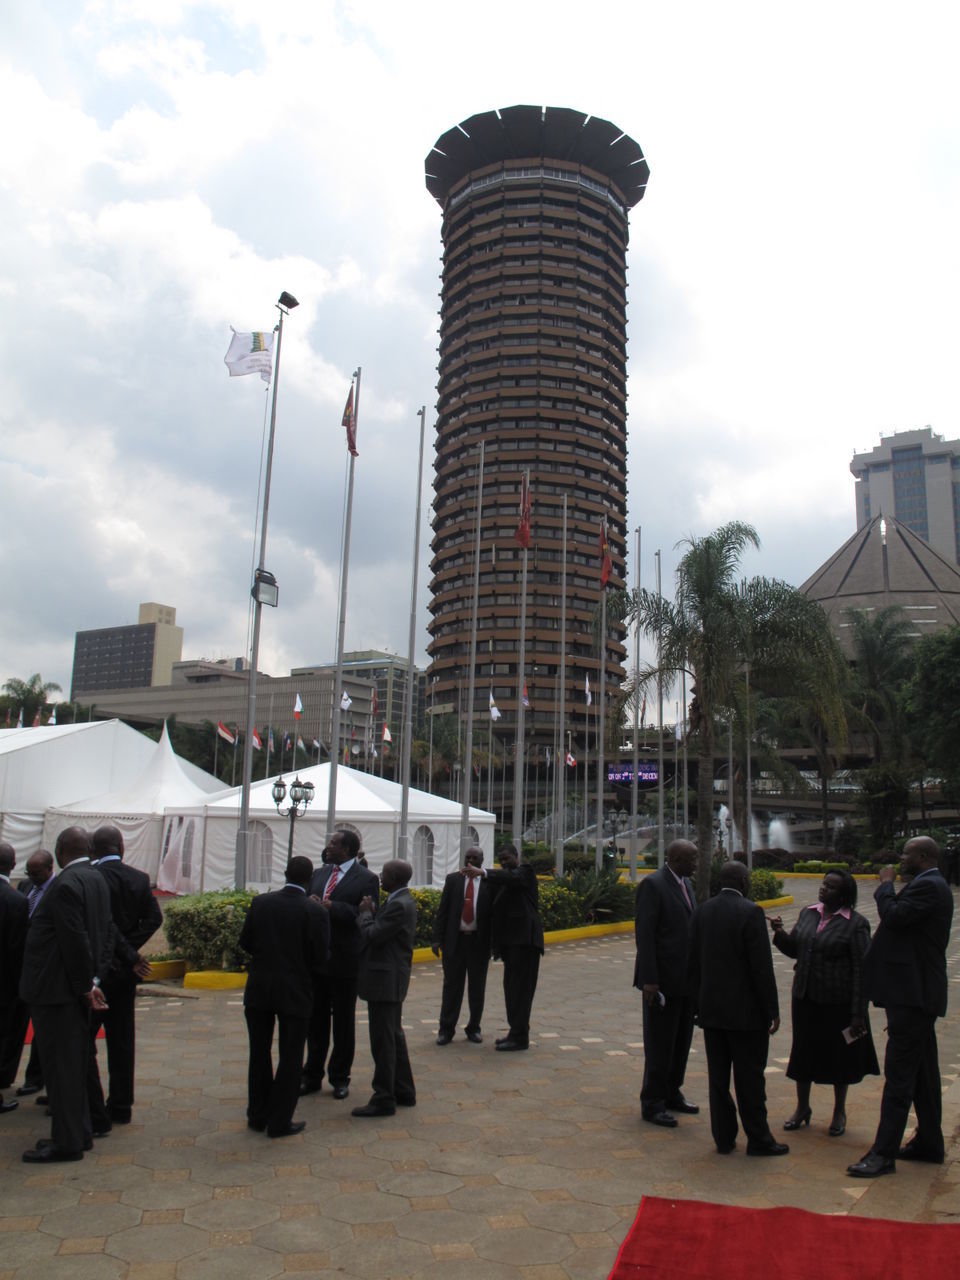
(167, 170)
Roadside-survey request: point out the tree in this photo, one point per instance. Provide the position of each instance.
(883, 664)
(29, 695)
(933, 698)
(715, 627)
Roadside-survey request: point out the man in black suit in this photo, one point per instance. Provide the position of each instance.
(69, 944)
(288, 937)
(385, 964)
(339, 886)
(13, 932)
(461, 930)
(664, 911)
(735, 997)
(136, 918)
(516, 936)
(905, 972)
(40, 876)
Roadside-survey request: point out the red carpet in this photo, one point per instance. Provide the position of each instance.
(28, 1038)
(696, 1241)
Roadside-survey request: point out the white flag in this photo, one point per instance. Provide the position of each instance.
(548, 757)
(346, 702)
(297, 708)
(494, 709)
(387, 736)
(587, 688)
(250, 353)
(53, 716)
(20, 719)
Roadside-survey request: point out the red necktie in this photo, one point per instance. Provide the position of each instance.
(468, 901)
(332, 882)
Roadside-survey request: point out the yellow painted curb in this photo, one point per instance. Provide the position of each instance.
(215, 980)
(776, 902)
(166, 970)
(588, 931)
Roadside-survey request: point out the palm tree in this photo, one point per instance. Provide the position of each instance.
(30, 695)
(883, 664)
(716, 626)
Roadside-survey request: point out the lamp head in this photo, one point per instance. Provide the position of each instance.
(278, 791)
(287, 300)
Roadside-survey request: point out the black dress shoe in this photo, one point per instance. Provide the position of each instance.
(767, 1149)
(663, 1118)
(511, 1046)
(341, 1091)
(406, 1102)
(25, 1090)
(473, 1036)
(444, 1037)
(50, 1155)
(913, 1151)
(725, 1151)
(101, 1131)
(8, 1106)
(257, 1126)
(682, 1106)
(310, 1086)
(872, 1165)
(296, 1126)
(41, 1100)
(371, 1109)
(120, 1116)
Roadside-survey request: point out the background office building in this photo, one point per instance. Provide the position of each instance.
(132, 657)
(533, 364)
(913, 476)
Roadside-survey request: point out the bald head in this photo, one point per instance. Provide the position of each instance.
(682, 857)
(919, 854)
(72, 844)
(107, 842)
(734, 875)
(40, 867)
(395, 874)
(8, 858)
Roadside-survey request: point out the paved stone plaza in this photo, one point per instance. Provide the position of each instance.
(512, 1165)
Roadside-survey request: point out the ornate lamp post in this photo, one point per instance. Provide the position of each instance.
(301, 794)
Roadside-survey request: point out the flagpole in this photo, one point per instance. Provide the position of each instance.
(563, 683)
(433, 705)
(659, 715)
(216, 751)
(518, 757)
(345, 564)
(636, 724)
(269, 732)
(557, 748)
(468, 753)
(402, 845)
(600, 710)
(285, 304)
(676, 764)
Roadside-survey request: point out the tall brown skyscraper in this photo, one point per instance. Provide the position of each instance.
(533, 364)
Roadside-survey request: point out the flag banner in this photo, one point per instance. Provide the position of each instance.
(350, 424)
(316, 744)
(52, 720)
(300, 746)
(606, 564)
(286, 742)
(586, 687)
(346, 754)
(256, 740)
(250, 353)
(373, 704)
(522, 534)
(526, 700)
(643, 711)
(297, 708)
(476, 771)
(270, 746)
(548, 757)
(571, 760)
(494, 709)
(224, 733)
(373, 752)
(20, 719)
(386, 733)
(678, 731)
(346, 702)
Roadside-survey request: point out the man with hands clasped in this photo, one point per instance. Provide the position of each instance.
(461, 930)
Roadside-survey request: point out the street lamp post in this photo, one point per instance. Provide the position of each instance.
(301, 794)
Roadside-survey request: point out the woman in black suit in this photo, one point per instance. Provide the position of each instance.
(828, 943)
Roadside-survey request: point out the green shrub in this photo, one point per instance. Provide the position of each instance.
(427, 900)
(540, 857)
(577, 860)
(204, 928)
(817, 866)
(560, 908)
(764, 885)
(603, 897)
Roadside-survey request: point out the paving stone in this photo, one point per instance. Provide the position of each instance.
(157, 1244)
(370, 1206)
(440, 1224)
(313, 1234)
(91, 1266)
(575, 1217)
(167, 1195)
(295, 1190)
(81, 1220)
(239, 1262)
(374, 1259)
(523, 1246)
(224, 1215)
(422, 1183)
(25, 1248)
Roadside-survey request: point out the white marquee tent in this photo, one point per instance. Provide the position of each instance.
(138, 807)
(199, 840)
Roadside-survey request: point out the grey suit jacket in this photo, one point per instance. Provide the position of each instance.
(387, 956)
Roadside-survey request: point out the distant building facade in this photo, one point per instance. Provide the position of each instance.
(913, 476)
(388, 674)
(130, 657)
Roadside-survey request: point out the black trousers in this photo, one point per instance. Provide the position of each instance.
(521, 967)
(466, 966)
(911, 1076)
(392, 1076)
(272, 1095)
(63, 1032)
(667, 1032)
(14, 1019)
(746, 1052)
(119, 1030)
(334, 1009)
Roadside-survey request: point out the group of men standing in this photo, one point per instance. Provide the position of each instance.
(712, 964)
(71, 949)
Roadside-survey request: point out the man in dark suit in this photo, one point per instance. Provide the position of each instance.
(385, 964)
(13, 932)
(136, 918)
(339, 886)
(664, 911)
(461, 931)
(40, 876)
(288, 937)
(905, 972)
(516, 936)
(735, 997)
(69, 944)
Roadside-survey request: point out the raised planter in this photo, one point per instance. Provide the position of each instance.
(166, 970)
(215, 980)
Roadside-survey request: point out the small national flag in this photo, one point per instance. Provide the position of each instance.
(571, 760)
(522, 534)
(526, 700)
(678, 731)
(350, 423)
(606, 564)
(494, 709)
(300, 746)
(586, 686)
(297, 708)
(224, 733)
(386, 733)
(36, 719)
(286, 742)
(476, 771)
(20, 719)
(643, 710)
(250, 353)
(373, 703)
(53, 716)
(346, 702)
(316, 744)
(256, 740)
(270, 746)
(548, 757)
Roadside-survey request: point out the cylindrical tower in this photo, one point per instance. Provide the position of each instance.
(533, 363)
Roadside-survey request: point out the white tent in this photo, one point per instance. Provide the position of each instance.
(199, 841)
(137, 809)
(54, 764)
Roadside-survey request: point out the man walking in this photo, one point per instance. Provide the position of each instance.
(68, 946)
(385, 964)
(905, 972)
(461, 931)
(339, 886)
(288, 938)
(735, 997)
(664, 912)
(516, 935)
(13, 932)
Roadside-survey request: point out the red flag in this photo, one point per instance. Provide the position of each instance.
(224, 733)
(256, 740)
(350, 422)
(571, 760)
(36, 719)
(297, 708)
(606, 564)
(522, 534)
